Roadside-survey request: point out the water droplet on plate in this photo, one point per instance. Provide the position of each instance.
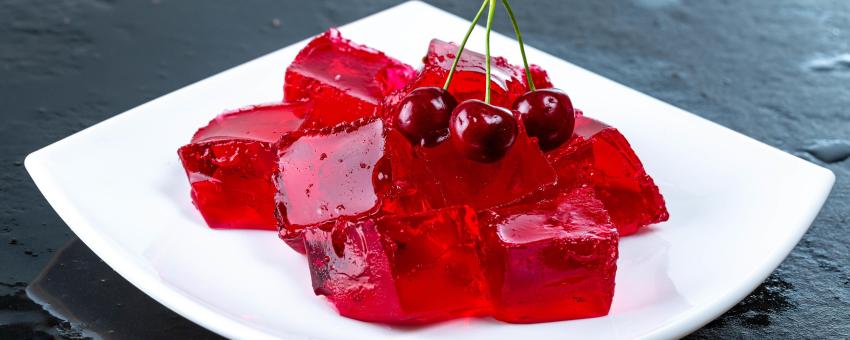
(839, 63)
(657, 3)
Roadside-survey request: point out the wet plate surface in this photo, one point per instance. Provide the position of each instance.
(737, 207)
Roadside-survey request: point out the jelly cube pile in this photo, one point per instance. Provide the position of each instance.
(403, 234)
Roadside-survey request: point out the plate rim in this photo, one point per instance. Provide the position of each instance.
(120, 260)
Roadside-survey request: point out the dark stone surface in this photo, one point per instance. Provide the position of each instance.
(778, 71)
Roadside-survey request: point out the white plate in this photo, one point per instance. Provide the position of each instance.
(737, 206)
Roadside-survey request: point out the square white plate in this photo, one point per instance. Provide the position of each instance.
(737, 206)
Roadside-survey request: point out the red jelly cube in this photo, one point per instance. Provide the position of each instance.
(507, 81)
(599, 155)
(522, 171)
(349, 170)
(343, 80)
(539, 76)
(400, 269)
(550, 260)
(230, 164)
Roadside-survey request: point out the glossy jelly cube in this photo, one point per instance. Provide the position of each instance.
(343, 80)
(507, 81)
(550, 260)
(410, 269)
(230, 164)
(600, 155)
(522, 171)
(350, 170)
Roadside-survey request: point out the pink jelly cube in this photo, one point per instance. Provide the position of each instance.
(507, 81)
(550, 260)
(230, 163)
(410, 269)
(345, 171)
(521, 172)
(599, 155)
(344, 81)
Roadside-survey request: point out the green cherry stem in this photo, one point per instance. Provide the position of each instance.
(463, 44)
(491, 13)
(521, 45)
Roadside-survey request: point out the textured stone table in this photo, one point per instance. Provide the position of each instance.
(778, 71)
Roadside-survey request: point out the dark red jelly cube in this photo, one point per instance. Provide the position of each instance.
(350, 170)
(410, 269)
(550, 260)
(522, 171)
(230, 163)
(599, 155)
(343, 80)
(507, 81)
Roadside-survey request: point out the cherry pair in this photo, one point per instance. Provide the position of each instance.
(484, 132)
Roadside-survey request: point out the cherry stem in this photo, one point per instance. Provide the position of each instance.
(491, 13)
(463, 44)
(521, 45)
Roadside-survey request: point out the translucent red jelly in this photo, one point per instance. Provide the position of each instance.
(349, 170)
(230, 163)
(539, 76)
(599, 155)
(403, 234)
(508, 81)
(550, 260)
(522, 171)
(410, 269)
(343, 80)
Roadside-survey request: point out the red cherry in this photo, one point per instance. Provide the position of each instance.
(483, 132)
(547, 114)
(424, 115)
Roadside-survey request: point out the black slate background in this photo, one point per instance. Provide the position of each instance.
(778, 71)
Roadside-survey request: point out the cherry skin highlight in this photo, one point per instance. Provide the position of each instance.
(423, 115)
(547, 114)
(483, 132)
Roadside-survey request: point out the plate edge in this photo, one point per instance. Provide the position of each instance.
(699, 317)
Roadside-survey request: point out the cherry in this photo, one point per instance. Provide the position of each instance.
(424, 115)
(483, 132)
(547, 114)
